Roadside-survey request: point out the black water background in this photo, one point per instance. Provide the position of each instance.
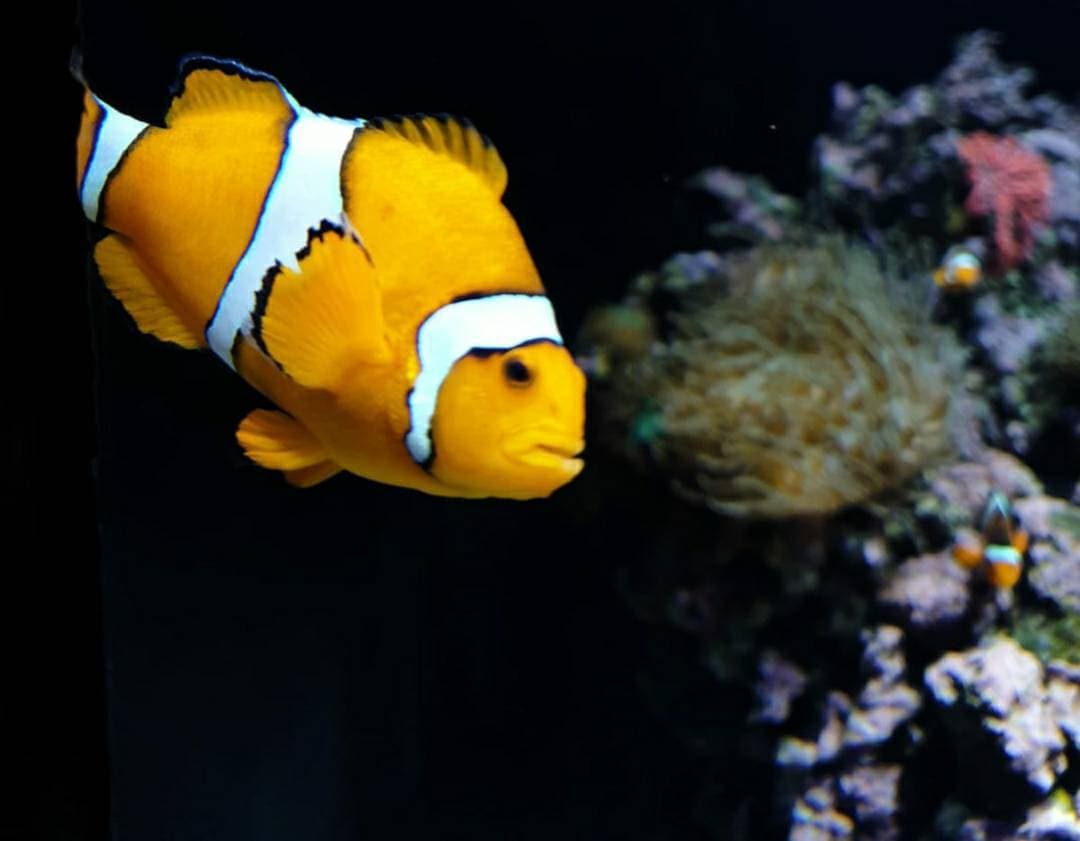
(357, 661)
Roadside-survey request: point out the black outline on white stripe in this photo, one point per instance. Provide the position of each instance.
(258, 221)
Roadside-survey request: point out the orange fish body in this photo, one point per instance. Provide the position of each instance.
(1000, 545)
(363, 275)
(960, 270)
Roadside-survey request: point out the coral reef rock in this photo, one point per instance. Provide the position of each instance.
(780, 682)
(896, 160)
(814, 816)
(1055, 819)
(929, 592)
(750, 209)
(1054, 552)
(1015, 701)
(1006, 339)
(871, 792)
(862, 802)
(884, 703)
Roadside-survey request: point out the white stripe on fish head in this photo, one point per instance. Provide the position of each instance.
(493, 322)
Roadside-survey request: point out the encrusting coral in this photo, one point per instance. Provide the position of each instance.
(807, 384)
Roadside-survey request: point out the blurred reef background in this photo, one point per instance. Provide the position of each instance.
(855, 417)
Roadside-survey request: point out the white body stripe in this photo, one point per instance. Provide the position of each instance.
(114, 136)
(306, 190)
(997, 554)
(496, 321)
(964, 260)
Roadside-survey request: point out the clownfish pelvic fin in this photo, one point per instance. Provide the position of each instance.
(317, 323)
(129, 280)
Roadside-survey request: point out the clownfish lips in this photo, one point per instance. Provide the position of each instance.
(547, 449)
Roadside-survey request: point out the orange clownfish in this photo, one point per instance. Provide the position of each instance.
(1001, 545)
(959, 271)
(364, 275)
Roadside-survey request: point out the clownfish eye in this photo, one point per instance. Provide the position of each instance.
(517, 372)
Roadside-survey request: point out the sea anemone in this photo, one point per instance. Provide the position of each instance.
(808, 383)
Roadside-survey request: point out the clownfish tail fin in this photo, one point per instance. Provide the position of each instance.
(89, 125)
(75, 66)
(91, 120)
(105, 136)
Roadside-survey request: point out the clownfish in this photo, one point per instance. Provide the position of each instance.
(364, 275)
(959, 271)
(1001, 545)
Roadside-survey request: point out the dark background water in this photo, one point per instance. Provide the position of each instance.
(213, 654)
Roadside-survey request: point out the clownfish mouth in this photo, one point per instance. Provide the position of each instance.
(548, 452)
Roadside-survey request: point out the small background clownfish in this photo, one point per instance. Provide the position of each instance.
(1000, 544)
(364, 275)
(960, 270)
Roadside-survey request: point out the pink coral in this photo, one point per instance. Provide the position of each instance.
(1012, 184)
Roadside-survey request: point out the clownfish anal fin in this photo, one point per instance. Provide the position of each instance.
(306, 477)
(207, 86)
(317, 323)
(456, 138)
(276, 441)
(128, 279)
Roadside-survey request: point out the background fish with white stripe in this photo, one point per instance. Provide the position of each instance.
(363, 275)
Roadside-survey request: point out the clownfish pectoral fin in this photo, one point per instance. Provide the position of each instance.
(273, 440)
(128, 279)
(210, 86)
(319, 322)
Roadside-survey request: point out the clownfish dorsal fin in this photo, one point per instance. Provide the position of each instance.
(317, 322)
(456, 138)
(128, 278)
(276, 441)
(997, 519)
(207, 86)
